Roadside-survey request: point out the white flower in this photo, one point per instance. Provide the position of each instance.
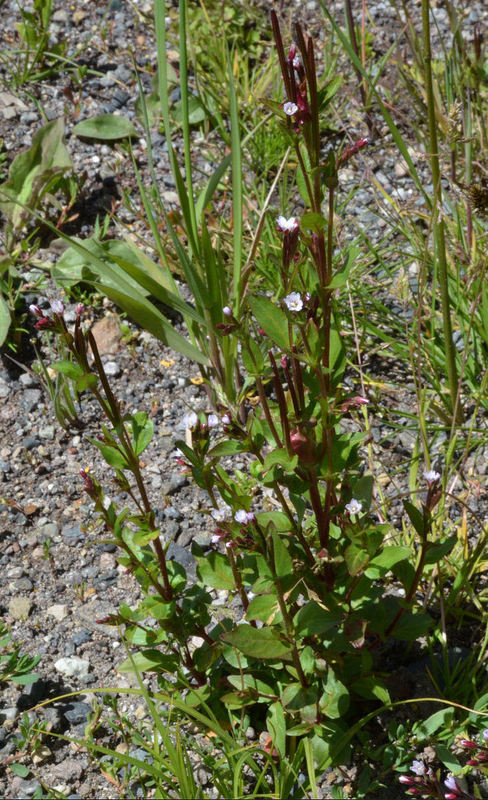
(215, 539)
(226, 420)
(241, 516)
(57, 307)
(418, 767)
(227, 311)
(485, 734)
(287, 225)
(296, 62)
(189, 420)
(431, 476)
(212, 421)
(293, 302)
(290, 109)
(354, 507)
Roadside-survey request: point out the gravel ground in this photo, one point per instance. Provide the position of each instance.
(57, 576)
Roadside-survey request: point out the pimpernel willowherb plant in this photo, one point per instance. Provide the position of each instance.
(299, 541)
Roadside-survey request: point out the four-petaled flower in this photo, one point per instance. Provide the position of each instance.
(418, 767)
(287, 225)
(431, 477)
(354, 506)
(212, 420)
(57, 306)
(293, 302)
(244, 517)
(455, 789)
(290, 109)
(189, 420)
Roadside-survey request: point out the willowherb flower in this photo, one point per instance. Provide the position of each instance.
(293, 301)
(244, 517)
(220, 514)
(212, 421)
(226, 420)
(36, 311)
(227, 311)
(79, 308)
(57, 307)
(290, 109)
(431, 477)
(287, 225)
(354, 506)
(190, 420)
(455, 790)
(418, 767)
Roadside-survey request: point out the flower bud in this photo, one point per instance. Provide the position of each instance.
(302, 447)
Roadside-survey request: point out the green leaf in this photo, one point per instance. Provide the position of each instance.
(276, 725)
(24, 680)
(277, 518)
(252, 358)
(255, 685)
(295, 696)
(228, 447)
(281, 457)
(112, 456)
(282, 560)
(264, 607)
(20, 769)
(272, 319)
(34, 172)
(314, 619)
(149, 661)
(312, 221)
(441, 719)
(334, 702)
(356, 559)
(264, 643)
(215, 571)
(411, 626)
(106, 127)
(415, 516)
(68, 368)
(449, 760)
(383, 562)
(157, 607)
(142, 431)
(4, 320)
(88, 381)
(436, 551)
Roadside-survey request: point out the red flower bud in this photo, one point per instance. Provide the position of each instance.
(302, 447)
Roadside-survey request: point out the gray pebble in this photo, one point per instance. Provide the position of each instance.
(112, 369)
(77, 713)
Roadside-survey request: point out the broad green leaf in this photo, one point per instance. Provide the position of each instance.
(149, 661)
(227, 448)
(251, 683)
(112, 456)
(295, 696)
(416, 517)
(157, 607)
(356, 559)
(440, 719)
(312, 221)
(278, 518)
(142, 431)
(276, 725)
(68, 368)
(282, 560)
(107, 127)
(252, 358)
(215, 571)
(34, 172)
(281, 457)
(411, 626)
(386, 560)
(4, 320)
(334, 702)
(19, 769)
(272, 319)
(438, 550)
(448, 758)
(314, 619)
(264, 607)
(264, 643)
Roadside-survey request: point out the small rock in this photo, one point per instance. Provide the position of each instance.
(68, 770)
(77, 712)
(72, 667)
(81, 637)
(50, 530)
(30, 442)
(19, 607)
(41, 754)
(27, 380)
(73, 533)
(59, 611)
(31, 399)
(107, 335)
(47, 432)
(112, 369)
(107, 561)
(8, 713)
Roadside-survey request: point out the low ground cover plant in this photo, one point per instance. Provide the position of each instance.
(323, 588)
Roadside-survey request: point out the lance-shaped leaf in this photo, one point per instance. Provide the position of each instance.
(264, 643)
